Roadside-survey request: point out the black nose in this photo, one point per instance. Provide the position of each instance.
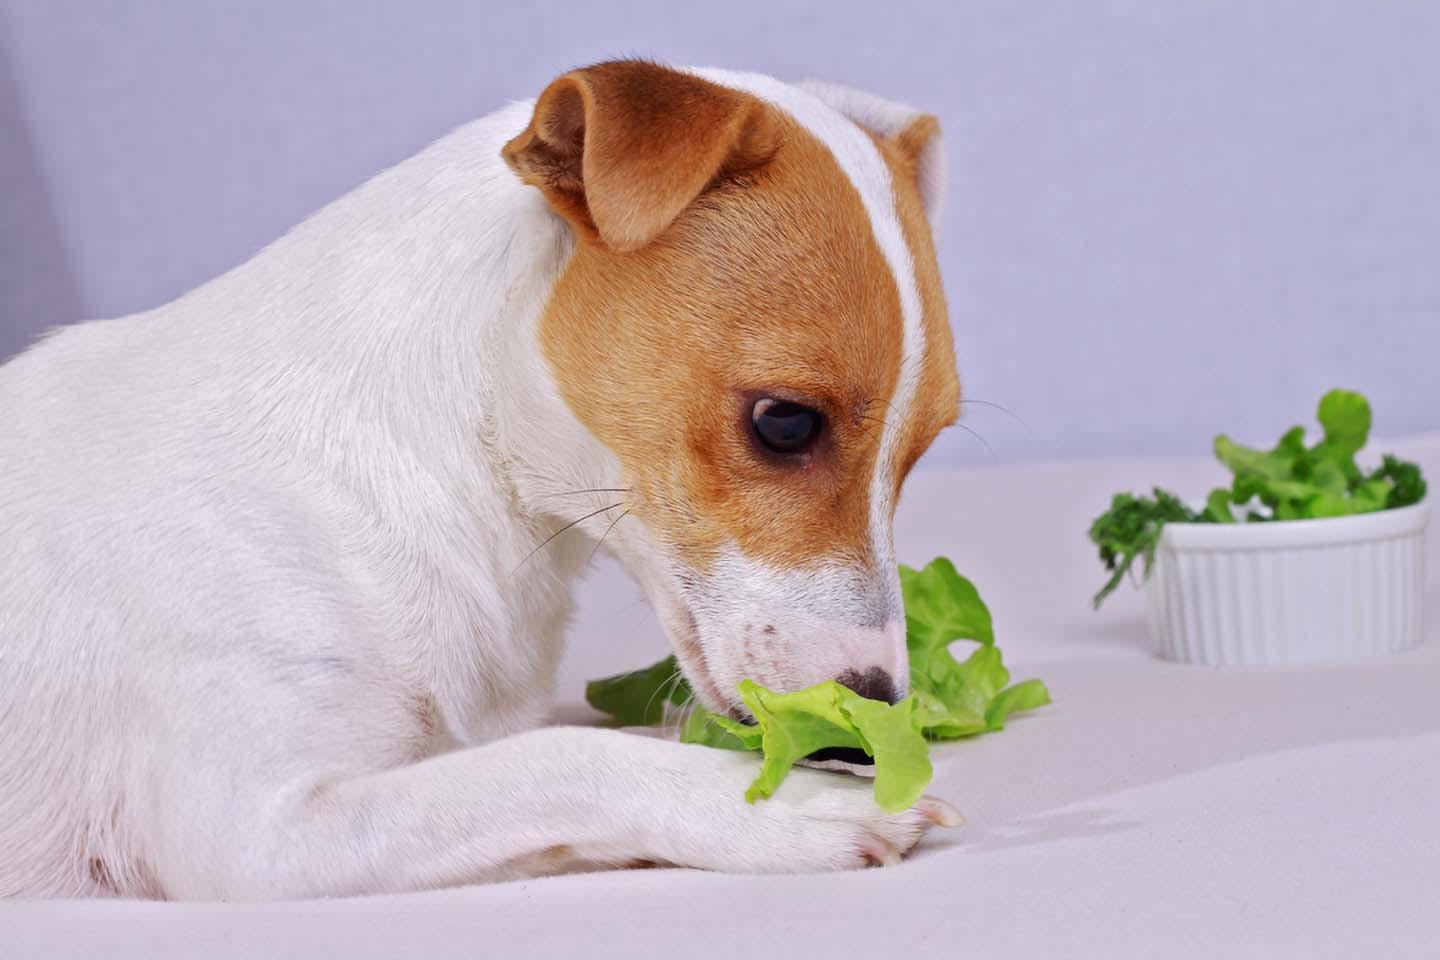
(874, 683)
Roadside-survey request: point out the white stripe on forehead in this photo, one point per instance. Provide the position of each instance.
(857, 157)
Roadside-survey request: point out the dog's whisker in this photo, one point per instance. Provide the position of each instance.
(683, 712)
(667, 688)
(983, 442)
(572, 523)
(963, 426)
(596, 549)
(666, 685)
(998, 406)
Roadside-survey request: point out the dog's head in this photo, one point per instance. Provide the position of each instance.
(753, 325)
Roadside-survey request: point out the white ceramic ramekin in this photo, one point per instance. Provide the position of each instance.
(1302, 591)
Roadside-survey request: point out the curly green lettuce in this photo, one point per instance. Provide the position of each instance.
(1290, 481)
(1130, 530)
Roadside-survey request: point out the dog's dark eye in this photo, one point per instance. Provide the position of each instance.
(785, 427)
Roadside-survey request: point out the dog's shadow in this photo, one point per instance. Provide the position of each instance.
(1026, 832)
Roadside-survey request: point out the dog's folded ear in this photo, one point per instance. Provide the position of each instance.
(914, 135)
(620, 149)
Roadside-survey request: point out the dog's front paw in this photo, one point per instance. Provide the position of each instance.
(816, 821)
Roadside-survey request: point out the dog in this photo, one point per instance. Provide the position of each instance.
(273, 620)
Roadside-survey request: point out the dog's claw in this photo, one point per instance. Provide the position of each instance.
(940, 813)
(880, 852)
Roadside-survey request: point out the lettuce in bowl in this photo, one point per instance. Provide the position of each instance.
(1290, 481)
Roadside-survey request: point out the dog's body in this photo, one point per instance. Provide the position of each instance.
(272, 617)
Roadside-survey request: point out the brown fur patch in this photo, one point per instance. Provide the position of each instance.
(768, 283)
(426, 715)
(100, 876)
(427, 725)
(772, 286)
(621, 148)
(936, 402)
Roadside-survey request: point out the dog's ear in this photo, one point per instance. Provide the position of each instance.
(621, 148)
(914, 135)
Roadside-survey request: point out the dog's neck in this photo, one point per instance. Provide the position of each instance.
(408, 330)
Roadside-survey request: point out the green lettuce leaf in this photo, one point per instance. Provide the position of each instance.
(1407, 486)
(1130, 531)
(712, 730)
(1026, 695)
(942, 607)
(892, 736)
(639, 698)
(1217, 507)
(1345, 417)
(940, 722)
(795, 725)
(1261, 466)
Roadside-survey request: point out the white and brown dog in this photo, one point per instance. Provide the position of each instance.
(272, 623)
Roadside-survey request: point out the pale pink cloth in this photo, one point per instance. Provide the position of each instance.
(1154, 811)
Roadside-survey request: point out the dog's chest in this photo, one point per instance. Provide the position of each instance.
(488, 648)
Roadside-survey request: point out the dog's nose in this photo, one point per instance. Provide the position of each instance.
(874, 683)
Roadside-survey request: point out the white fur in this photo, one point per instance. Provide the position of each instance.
(886, 118)
(270, 622)
(853, 607)
(790, 628)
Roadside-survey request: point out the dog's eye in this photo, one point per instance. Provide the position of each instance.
(785, 427)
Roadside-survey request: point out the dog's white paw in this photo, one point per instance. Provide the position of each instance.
(816, 821)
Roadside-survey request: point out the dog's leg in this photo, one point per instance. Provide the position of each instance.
(526, 804)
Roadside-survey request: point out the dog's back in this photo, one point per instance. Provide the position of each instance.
(209, 490)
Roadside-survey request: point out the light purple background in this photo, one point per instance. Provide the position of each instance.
(1165, 217)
